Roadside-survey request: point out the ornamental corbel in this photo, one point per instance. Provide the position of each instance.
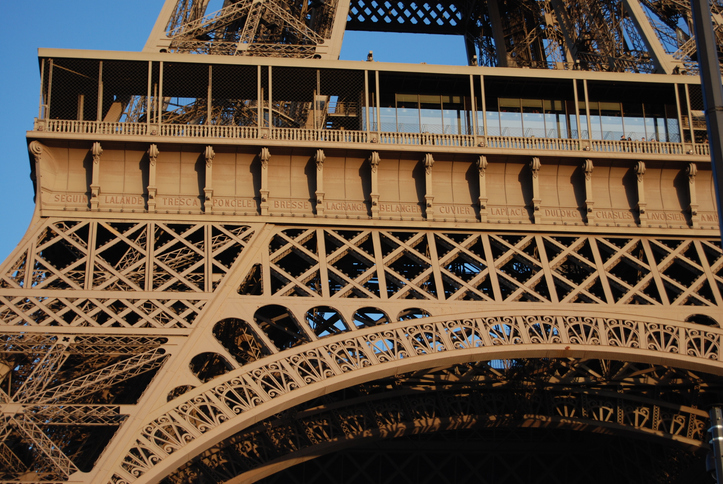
(264, 156)
(428, 161)
(208, 155)
(642, 204)
(153, 153)
(535, 166)
(95, 151)
(587, 167)
(692, 171)
(482, 170)
(319, 157)
(374, 160)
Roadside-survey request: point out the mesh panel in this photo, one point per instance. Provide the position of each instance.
(185, 93)
(340, 100)
(125, 91)
(292, 96)
(74, 89)
(234, 95)
(696, 97)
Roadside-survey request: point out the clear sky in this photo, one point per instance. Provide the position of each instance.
(121, 26)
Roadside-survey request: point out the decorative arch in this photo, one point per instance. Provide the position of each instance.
(312, 431)
(219, 409)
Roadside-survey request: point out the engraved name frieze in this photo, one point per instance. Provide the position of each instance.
(613, 215)
(70, 198)
(346, 206)
(180, 202)
(709, 217)
(570, 213)
(666, 216)
(509, 211)
(455, 210)
(400, 208)
(234, 203)
(291, 204)
(123, 200)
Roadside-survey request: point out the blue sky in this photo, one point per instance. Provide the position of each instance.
(120, 26)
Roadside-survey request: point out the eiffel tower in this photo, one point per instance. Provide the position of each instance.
(252, 262)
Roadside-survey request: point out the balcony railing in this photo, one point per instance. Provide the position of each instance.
(349, 136)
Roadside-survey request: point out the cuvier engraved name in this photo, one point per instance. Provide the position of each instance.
(455, 210)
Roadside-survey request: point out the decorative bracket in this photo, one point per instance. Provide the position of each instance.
(264, 191)
(319, 158)
(482, 168)
(428, 161)
(694, 217)
(208, 154)
(535, 166)
(642, 204)
(374, 162)
(96, 151)
(152, 188)
(587, 167)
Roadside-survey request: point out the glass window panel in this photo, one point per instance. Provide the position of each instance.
(634, 128)
(511, 124)
(388, 119)
(493, 123)
(534, 124)
(408, 120)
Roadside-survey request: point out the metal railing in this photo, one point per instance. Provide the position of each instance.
(351, 136)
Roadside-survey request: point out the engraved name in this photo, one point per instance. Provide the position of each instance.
(234, 203)
(70, 198)
(455, 210)
(516, 212)
(350, 206)
(292, 204)
(123, 200)
(400, 207)
(180, 202)
(613, 214)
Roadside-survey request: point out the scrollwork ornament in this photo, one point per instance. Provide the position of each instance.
(374, 161)
(264, 156)
(153, 154)
(587, 167)
(96, 151)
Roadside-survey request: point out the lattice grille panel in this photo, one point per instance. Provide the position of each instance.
(496, 267)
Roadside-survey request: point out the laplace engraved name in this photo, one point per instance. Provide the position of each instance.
(70, 198)
(515, 212)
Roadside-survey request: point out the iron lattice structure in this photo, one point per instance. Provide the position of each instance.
(245, 269)
(613, 36)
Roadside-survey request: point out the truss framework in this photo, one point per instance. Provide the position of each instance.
(614, 35)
